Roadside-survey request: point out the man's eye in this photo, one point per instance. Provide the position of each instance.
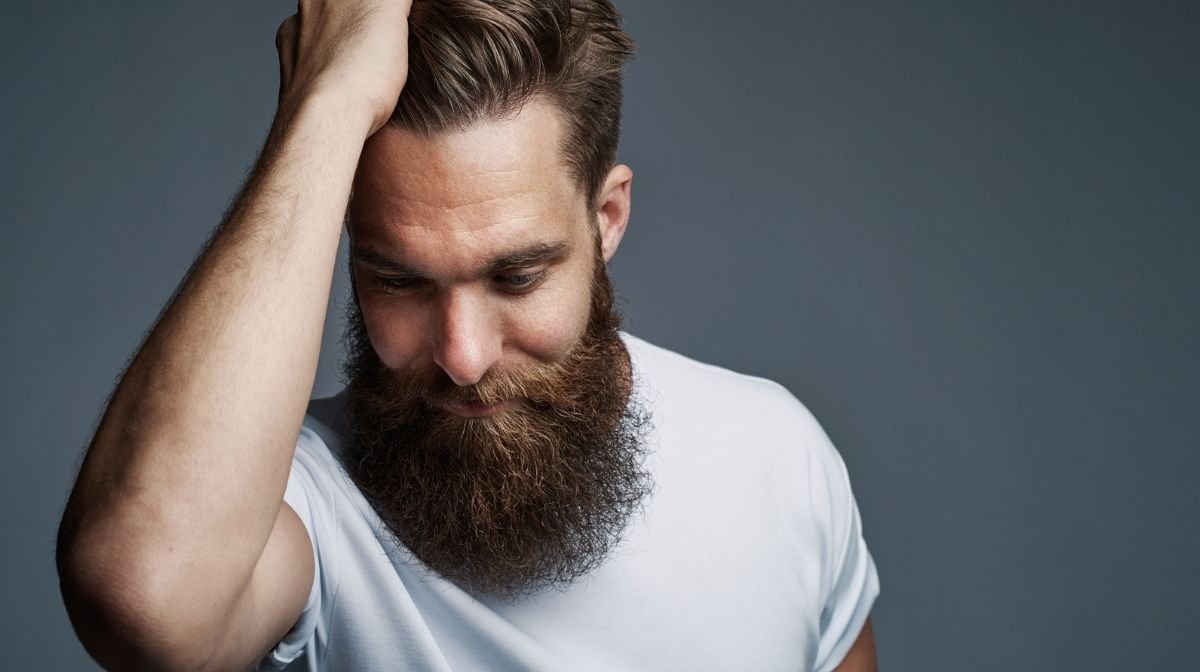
(521, 281)
(396, 283)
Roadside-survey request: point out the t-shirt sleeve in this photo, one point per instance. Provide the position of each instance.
(852, 577)
(310, 499)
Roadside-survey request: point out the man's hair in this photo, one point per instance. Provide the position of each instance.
(476, 60)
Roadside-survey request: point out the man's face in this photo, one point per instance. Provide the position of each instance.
(472, 250)
(494, 431)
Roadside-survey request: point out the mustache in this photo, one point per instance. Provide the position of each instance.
(434, 387)
(561, 385)
(399, 397)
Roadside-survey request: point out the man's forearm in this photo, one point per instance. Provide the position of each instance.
(183, 480)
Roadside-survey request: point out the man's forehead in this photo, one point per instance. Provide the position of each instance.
(505, 168)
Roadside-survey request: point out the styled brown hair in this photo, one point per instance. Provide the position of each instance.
(474, 60)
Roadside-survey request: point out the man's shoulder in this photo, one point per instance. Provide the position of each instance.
(676, 375)
(708, 404)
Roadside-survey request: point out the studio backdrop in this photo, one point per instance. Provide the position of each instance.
(964, 234)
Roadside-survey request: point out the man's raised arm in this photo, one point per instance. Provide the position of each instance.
(174, 550)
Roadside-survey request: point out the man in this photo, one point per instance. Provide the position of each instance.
(508, 481)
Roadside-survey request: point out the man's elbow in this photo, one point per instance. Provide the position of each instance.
(122, 631)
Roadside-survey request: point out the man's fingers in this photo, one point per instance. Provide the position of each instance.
(358, 47)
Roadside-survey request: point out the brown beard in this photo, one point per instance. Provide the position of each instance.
(528, 499)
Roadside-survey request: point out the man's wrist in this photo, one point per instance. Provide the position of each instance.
(329, 110)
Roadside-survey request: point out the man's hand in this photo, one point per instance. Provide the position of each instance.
(357, 51)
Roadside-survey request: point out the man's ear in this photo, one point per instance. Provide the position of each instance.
(612, 210)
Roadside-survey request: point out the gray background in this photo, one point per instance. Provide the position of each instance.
(963, 233)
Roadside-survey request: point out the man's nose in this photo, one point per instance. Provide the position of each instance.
(467, 341)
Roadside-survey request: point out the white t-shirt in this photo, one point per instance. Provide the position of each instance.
(749, 554)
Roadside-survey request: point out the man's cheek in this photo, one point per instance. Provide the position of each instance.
(393, 333)
(549, 328)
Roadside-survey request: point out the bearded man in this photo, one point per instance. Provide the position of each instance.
(508, 481)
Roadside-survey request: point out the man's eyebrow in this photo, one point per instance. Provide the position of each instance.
(531, 255)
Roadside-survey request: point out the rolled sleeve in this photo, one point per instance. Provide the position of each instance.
(854, 583)
(309, 498)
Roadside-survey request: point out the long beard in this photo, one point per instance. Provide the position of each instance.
(515, 503)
